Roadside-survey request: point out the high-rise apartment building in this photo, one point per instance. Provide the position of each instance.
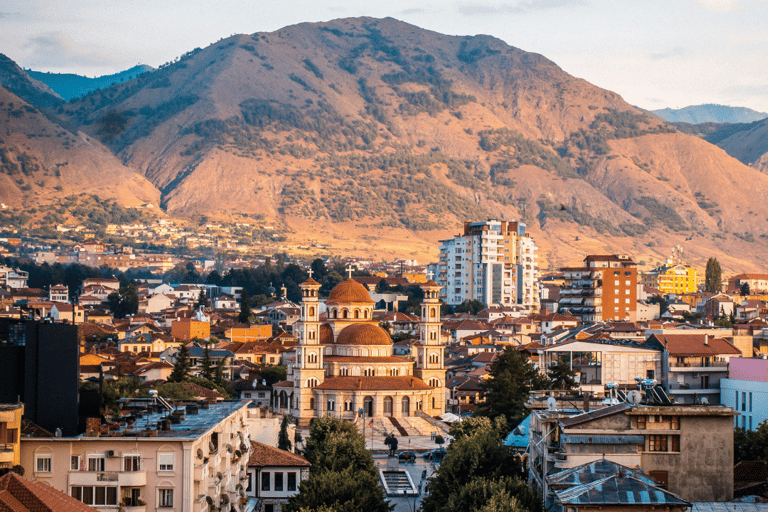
(493, 262)
(604, 289)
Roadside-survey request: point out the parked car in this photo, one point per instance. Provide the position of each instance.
(407, 457)
(435, 455)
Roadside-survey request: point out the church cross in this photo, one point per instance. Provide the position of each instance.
(350, 268)
(310, 272)
(430, 274)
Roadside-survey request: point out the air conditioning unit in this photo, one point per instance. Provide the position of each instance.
(110, 453)
(695, 375)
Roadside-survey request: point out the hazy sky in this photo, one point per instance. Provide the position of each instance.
(655, 53)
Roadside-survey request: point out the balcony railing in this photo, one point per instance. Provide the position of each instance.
(699, 364)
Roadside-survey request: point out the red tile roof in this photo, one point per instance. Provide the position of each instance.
(265, 455)
(682, 345)
(373, 383)
(20, 495)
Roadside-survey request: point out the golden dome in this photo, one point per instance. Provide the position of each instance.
(326, 334)
(363, 334)
(349, 291)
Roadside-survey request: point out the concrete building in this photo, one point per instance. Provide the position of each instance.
(604, 289)
(672, 278)
(194, 460)
(746, 391)
(10, 429)
(687, 449)
(493, 262)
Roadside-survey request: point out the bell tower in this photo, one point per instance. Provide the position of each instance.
(308, 370)
(430, 349)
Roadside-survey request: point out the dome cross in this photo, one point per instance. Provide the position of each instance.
(349, 269)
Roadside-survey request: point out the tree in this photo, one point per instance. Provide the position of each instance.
(283, 442)
(561, 376)
(273, 374)
(245, 308)
(202, 299)
(472, 307)
(751, 445)
(206, 365)
(744, 290)
(342, 476)
(476, 468)
(218, 373)
(713, 281)
(661, 301)
(506, 389)
(181, 366)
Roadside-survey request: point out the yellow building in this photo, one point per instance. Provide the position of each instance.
(10, 429)
(189, 328)
(246, 334)
(671, 278)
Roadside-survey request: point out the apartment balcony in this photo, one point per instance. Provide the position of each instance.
(137, 508)
(699, 366)
(120, 478)
(6, 453)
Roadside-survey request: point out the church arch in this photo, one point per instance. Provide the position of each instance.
(369, 371)
(312, 382)
(344, 313)
(368, 406)
(357, 313)
(406, 406)
(388, 406)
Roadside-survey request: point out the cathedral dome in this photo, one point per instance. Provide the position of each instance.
(363, 334)
(326, 334)
(349, 291)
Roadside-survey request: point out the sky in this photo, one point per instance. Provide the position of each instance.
(654, 53)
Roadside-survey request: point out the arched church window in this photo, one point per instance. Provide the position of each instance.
(311, 311)
(370, 372)
(433, 358)
(357, 313)
(344, 372)
(344, 313)
(311, 383)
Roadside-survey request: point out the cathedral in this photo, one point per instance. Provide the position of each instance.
(344, 365)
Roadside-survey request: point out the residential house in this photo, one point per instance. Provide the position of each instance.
(226, 302)
(18, 494)
(758, 283)
(604, 288)
(58, 293)
(716, 307)
(155, 304)
(693, 365)
(672, 278)
(274, 476)
(10, 431)
(556, 321)
(63, 312)
(190, 328)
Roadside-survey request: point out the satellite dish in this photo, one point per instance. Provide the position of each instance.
(634, 397)
(200, 453)
(704, 400)
(551, 404)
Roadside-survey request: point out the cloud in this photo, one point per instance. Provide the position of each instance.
(747, 90)
(518, 7)
(56, 50)
(720, 6)
(670, 53)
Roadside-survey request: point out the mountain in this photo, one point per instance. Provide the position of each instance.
(710, 113)
(53, 175)
(70, 86)
(15, 80)
(372, 136)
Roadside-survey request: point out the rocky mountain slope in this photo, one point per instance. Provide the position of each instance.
(70, 86)
(376, 137)
(710, 113)
(47, 172)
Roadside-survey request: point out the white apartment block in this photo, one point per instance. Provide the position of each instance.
(196, 461)
(493, 262)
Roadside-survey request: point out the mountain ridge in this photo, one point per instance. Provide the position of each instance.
(710, 113)
(374, 136)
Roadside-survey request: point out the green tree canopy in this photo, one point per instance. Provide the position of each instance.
(510, 379)
(245, 308)
(181, 366)
(713, 276)
(273, 374)
(751, 445)
(283, 440)
(561, 376)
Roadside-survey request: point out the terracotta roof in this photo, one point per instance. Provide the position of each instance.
(430, 283)
(681, 345)
(201, 391)
(20, 495)
(362, 359)
(363, 334)
(750, 471)
(326, 334)
(310, 282)
(265, 455)
(373, 383)
(349, 291)
(29, 429)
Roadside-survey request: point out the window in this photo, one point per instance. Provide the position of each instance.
(291, 481)
(369, 372)
(96, 463)
(650, 374)
(674, 422)
(132, 463)
(165, 497)
(165, 461)
(657, 443)
(674, 443)
(278, 481)
(743, 401)
(265, 481)
(750, 403)
(641, 422)
(74, 463)
(331, 407)
(661, 477)
(95, 495)
(43, 464)
(344, 372)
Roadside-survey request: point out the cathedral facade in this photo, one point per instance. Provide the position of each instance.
(344, 366)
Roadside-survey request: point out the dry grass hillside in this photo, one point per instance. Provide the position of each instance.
(372, 136)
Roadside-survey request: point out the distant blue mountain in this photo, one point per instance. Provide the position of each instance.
(710, 113)
(70, 86)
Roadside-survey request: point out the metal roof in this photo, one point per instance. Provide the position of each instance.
(732, 506)
(592, 471)
(620, 489)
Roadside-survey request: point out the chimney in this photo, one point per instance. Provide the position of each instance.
(706, 339)
(586, 402)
